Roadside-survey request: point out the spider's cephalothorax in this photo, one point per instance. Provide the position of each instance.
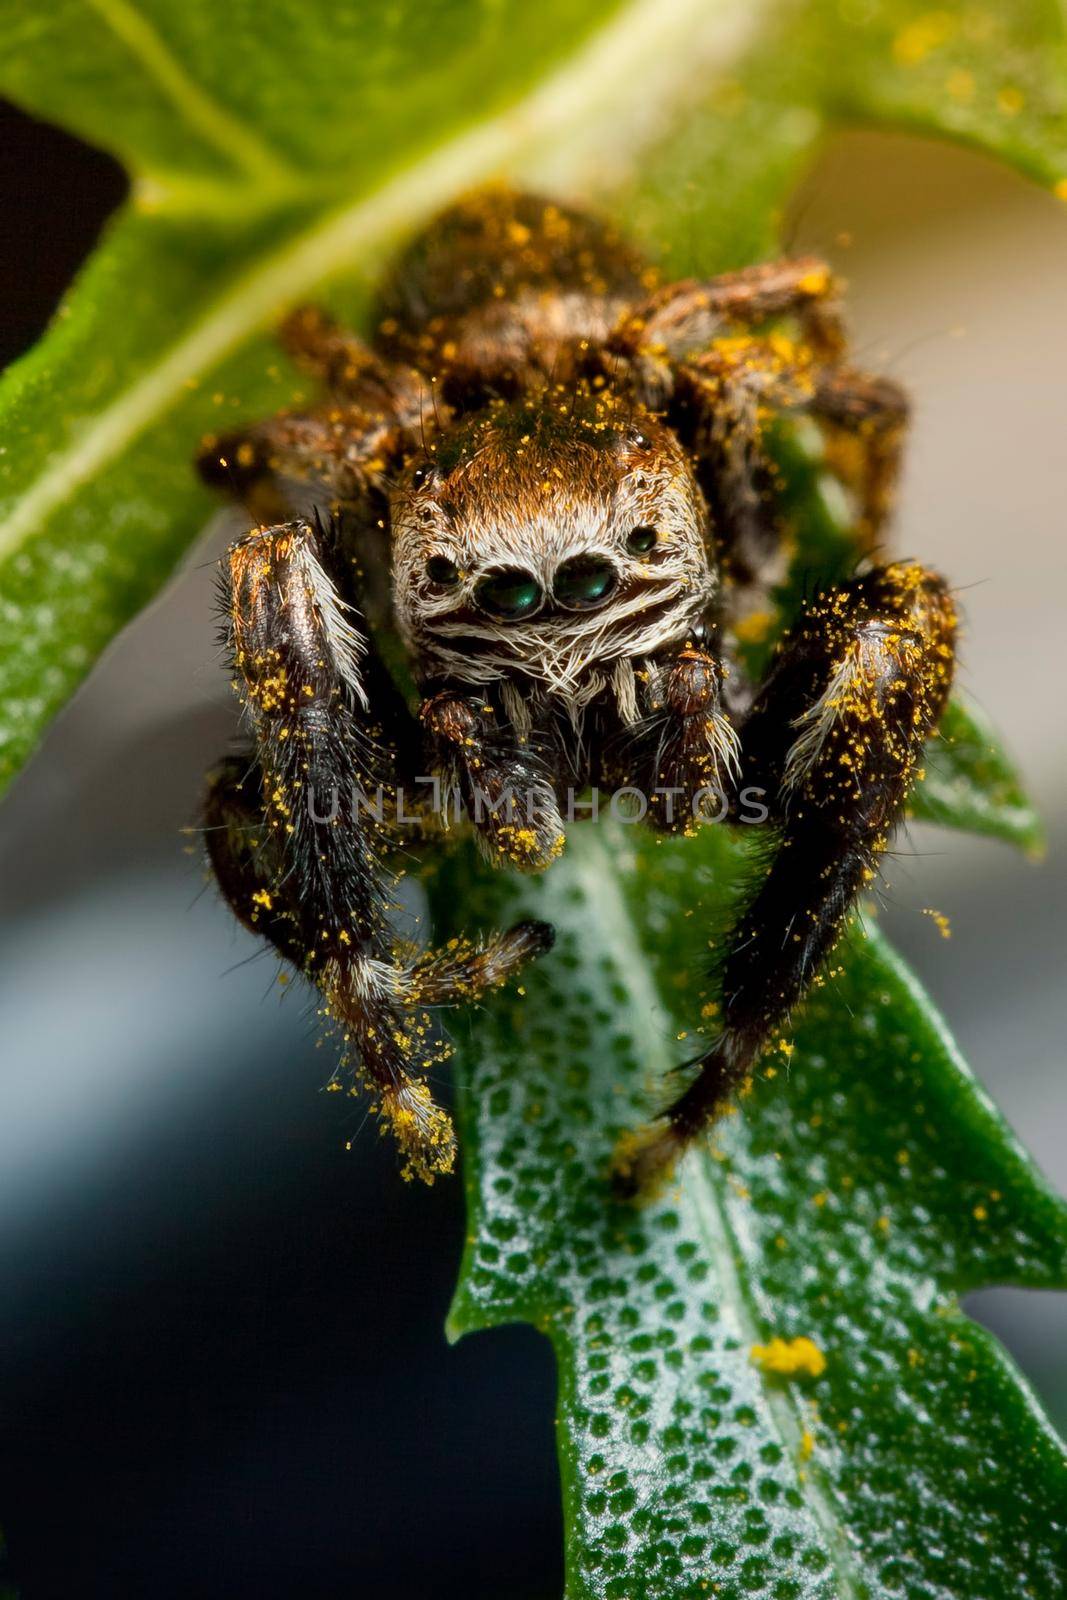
(548, 476)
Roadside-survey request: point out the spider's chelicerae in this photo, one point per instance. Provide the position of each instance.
(548, 476)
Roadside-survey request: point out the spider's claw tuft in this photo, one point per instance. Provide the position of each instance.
(644, 1161)
(424, 1132)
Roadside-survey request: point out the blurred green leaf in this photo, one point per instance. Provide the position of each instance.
(970, 783)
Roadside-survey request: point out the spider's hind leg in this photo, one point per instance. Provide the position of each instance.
(835, 740)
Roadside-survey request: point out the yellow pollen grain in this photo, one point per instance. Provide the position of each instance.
(915, 42)
(789, 1358)
(960, 85)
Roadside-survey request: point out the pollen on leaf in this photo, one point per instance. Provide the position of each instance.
(789, 1358)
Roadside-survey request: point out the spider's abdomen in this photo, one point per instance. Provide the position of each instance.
(504, 287)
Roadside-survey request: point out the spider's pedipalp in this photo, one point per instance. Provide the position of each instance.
(687, 755)
(509, 798)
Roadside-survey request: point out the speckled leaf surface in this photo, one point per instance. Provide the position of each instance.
(863, 1185)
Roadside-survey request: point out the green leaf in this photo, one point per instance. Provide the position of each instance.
(858, 1192)
(970, 783)
(343, 129)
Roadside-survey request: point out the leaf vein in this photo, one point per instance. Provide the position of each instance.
(213, 122)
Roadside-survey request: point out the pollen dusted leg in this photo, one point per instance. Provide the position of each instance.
(689, 759)
(836, 738)
(681, 317)
(298, 656)
(509, 801)
(722, 400)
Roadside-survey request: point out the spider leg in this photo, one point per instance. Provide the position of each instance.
(251, 871)
(508, 799)
(462, 971)
(683, 317)
(314, 858)
(294, 463)
(687, 758)
(723, 400)
(340, 360)
(835, 737)
(335, 454)
(865, 420)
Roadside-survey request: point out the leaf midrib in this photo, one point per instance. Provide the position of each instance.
(565, 115)
(597, 872)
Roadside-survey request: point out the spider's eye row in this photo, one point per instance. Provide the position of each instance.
(440, 570)
(641, 540)
(511, 594)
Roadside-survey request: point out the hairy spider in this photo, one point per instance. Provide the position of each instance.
(548, 475)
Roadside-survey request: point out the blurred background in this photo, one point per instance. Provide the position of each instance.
(221, 1362)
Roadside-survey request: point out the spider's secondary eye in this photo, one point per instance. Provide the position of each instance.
(421, 475)
(440, 570)
(641, 540)
(512, 594)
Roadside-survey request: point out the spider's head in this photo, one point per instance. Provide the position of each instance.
(546, 537)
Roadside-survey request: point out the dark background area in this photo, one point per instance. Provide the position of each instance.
(222, 1370)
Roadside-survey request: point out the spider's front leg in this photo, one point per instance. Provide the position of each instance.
(476, 754)
(298, 834)
(835, 738)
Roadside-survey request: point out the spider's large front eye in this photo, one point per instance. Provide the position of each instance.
(584, 582)
(640, 541)
(440, 570)
(511, 594)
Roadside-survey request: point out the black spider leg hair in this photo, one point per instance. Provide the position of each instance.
(835, 738)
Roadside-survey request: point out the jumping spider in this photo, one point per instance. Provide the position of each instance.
(548, 475)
